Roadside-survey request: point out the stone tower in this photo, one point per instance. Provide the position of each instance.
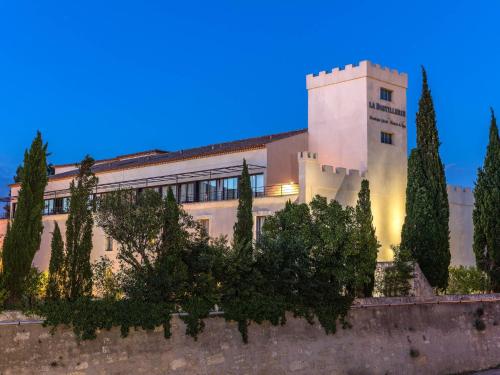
(357, 120)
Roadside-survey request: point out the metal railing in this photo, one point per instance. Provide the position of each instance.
(277, 190)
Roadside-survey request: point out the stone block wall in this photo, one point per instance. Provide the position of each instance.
(438, 335)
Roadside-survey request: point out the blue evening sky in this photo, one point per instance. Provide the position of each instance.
(114, 77)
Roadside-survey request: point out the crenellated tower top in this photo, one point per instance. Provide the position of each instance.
(364, 69)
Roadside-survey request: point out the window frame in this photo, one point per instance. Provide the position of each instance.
(386, 94)
(386, 138)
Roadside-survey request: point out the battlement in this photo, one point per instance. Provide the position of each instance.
(459, 195)
(306, 155)
(457, 188)
(349, 72)
(341, 171)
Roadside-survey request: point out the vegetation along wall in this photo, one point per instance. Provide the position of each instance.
(439, 335)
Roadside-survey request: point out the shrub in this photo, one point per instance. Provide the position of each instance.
(397, 278)
(35, 287)
(105, 282)
(467, 280)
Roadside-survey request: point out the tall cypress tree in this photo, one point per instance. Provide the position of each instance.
(171, 272)
(23, 238)
(79, 232)
(486, 215)
(366, 242)
(240, 296)
(243, 228)
(425, 232)
(56, 265)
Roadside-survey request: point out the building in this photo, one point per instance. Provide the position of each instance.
(356, 129)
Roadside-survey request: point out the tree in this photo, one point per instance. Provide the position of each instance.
(243, 228)
(22, 240)
(486, 214)
(425, 231)
(366, 243)
(135, 222)
(240, 296)
(56, 265)
(79, 232)
(335, 259)
(166, 256)
(284, 259)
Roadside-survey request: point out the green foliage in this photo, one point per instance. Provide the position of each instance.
(243, 228)
(240, 297)
(86, 316)
(24, 235)
(105, 283)
(3, 292)
(486, 215)
(398, 276)
(467, 280)
(79, 225)
(165, 256)
(35, 287)
(307, 258)
(366, 243)
(308, 262)
(56, 265)
(425, 232)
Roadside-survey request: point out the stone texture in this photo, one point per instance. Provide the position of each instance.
(438, 331)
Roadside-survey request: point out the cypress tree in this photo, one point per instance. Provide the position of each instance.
(23, 238)
(56, 269)
(171, 272)
(486, 215)
(243, 228)
(172, 234)
(240, 285)
(79, 225)
(425, 232)
(366, 242)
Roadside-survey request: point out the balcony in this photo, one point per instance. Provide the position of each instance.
(220, 184)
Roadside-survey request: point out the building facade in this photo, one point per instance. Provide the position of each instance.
(357, 128)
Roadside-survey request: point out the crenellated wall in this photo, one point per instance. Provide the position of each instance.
(333, 183)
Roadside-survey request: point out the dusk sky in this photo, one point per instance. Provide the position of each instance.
(115, 77)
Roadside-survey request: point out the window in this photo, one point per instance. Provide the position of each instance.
(66, 204)
(205, 223)
(386, 138)
(257, 182)
(48, 208)
(207, 190)
(259, 224)
(187, 192)
(385, 94)
(109, 243)
(61, 205)
(230, 188)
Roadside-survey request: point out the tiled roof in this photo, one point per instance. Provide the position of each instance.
(197, 152)
(119, 157)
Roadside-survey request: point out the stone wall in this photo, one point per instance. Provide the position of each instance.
(436, 335)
